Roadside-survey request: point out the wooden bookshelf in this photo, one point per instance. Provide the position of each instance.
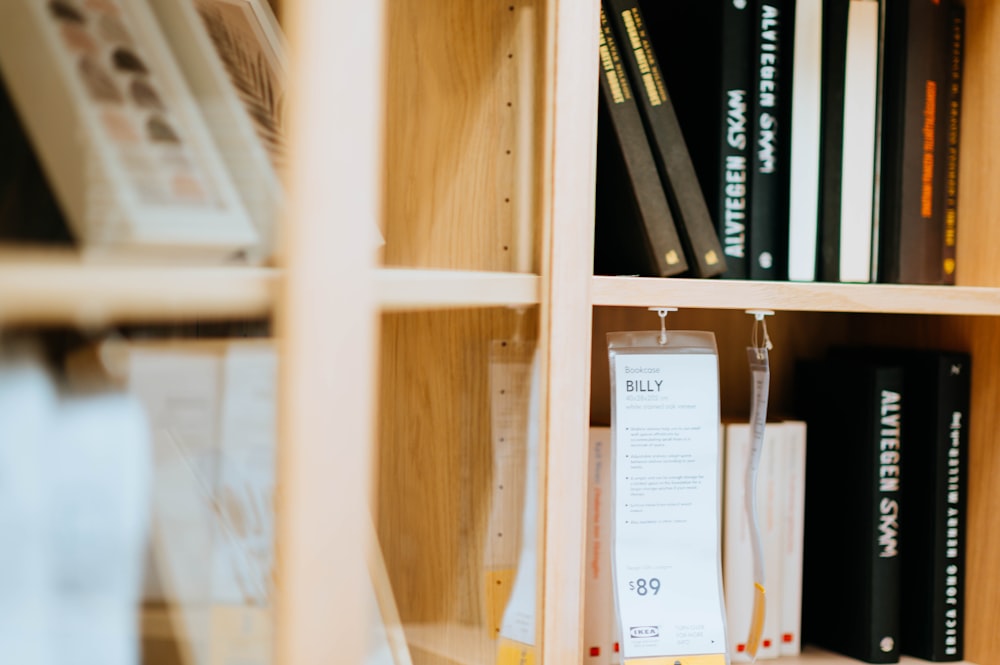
(494, 175)
(468, 130)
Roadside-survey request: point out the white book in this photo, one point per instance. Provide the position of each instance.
(27, 402)
(793, 456)
(770, 499)
(737, 553)
(98, 474)
(599, 602)
(181, 390)
(803, 204)
(212, 404)
(242, 545)
(737, 548)
(857, 208)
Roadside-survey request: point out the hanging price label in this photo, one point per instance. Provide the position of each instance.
(666, 551)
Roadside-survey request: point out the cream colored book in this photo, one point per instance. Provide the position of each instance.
(599, 622)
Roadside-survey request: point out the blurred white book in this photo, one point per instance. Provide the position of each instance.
(793, 457)
(75, 473)
(98, 472)
(27, 405)
(212, 406)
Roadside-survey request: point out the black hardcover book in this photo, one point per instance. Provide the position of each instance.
(932, 525)
(851, 566)
(956, 40)
(841, 46)
(773, 34)
(635, 230)
(935, 420)
(684, 193)
(834, 68)
(29, 211)
(712, 102)
(735, 197)
(913, 153)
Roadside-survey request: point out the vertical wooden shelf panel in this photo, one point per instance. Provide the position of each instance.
(570, 131)
(462, 155)
(979, 167)
(327, 329)
(460, 133)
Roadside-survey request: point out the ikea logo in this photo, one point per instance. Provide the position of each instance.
(644, 631)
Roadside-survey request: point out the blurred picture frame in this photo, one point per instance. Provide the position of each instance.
(233, 55)
(121, 140)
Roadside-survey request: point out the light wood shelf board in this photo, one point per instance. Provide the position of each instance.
(795, 296)
(469, 645)
(399, 289)
(93, 295)
(814, 656)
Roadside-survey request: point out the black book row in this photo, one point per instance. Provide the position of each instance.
(780, 139)
(886, 469)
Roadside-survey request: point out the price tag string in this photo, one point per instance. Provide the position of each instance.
(662, 313)
(760, 379)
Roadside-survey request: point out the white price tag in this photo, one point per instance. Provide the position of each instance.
(667, 538)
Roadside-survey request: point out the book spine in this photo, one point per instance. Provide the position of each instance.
(832, 135)
(915, 256)
(880, 138)
(951, 471)
(803, 198)
(956, 36)
(882, 644)
(770, 483)
(100, 481)
(664, 250)
(859, 140)
(27, 406)
(769, 163)
(737, 552)
(599, 603)
(734, 168)
(794, 457)
(705, 255)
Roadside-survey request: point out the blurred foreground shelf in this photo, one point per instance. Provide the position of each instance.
(56, 287)
(60, 288)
